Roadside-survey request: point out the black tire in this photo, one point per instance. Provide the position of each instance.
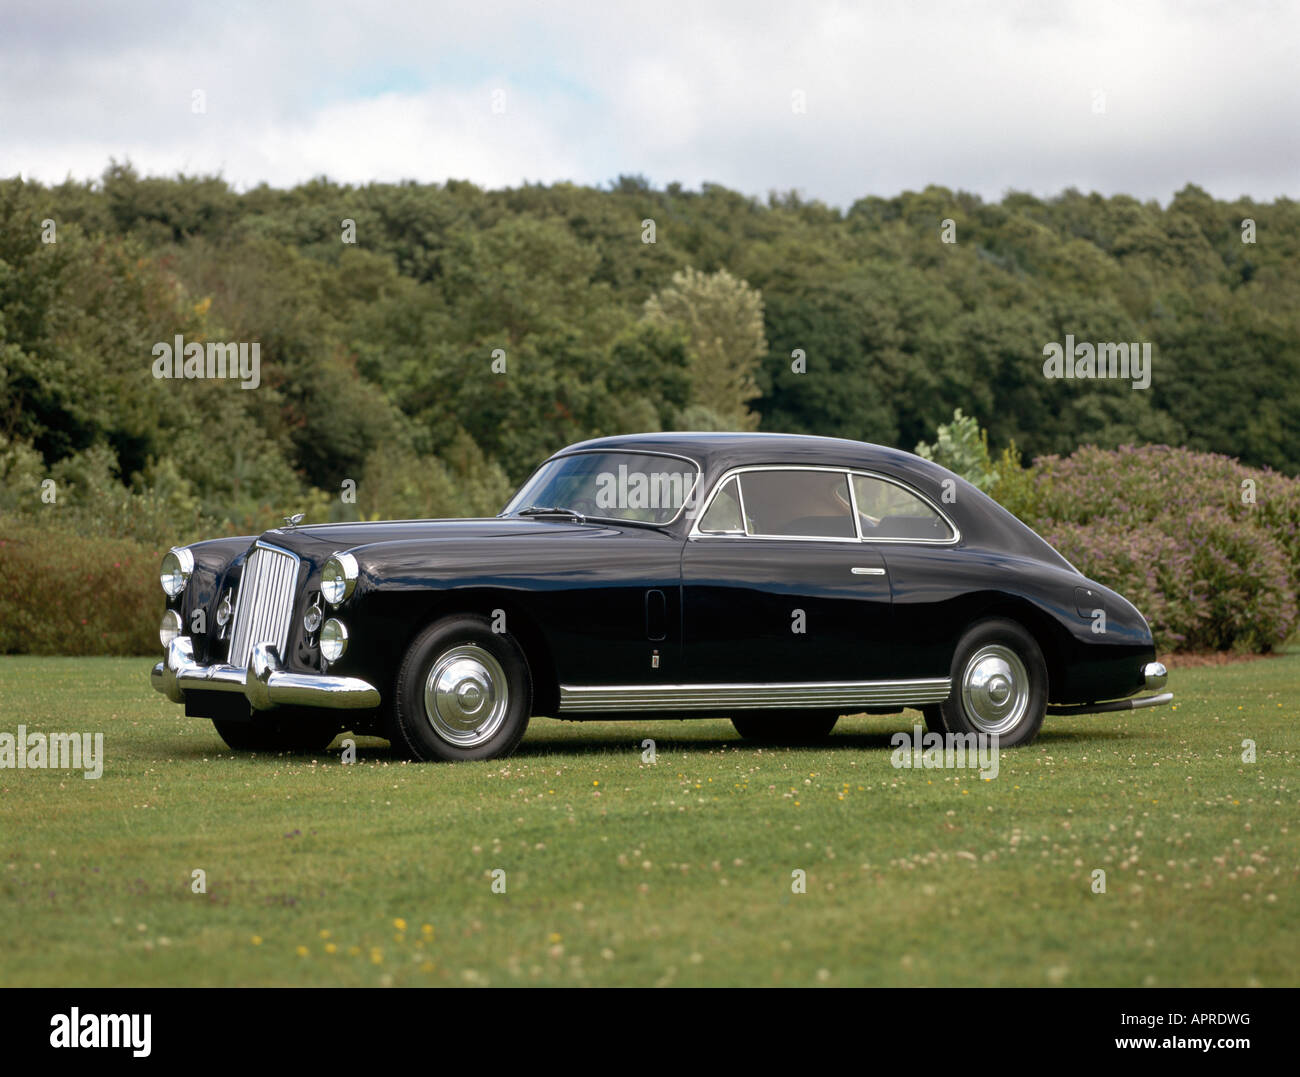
(993, 657)
(476, 666)
(274, 736)
(789, 727)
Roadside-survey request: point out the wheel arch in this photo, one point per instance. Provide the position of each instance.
(1050, 636)
(520, 625)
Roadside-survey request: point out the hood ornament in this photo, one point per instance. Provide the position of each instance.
(293, 521)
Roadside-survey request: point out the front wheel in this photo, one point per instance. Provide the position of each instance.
(785, 727)
(463, 692)
(999, 684)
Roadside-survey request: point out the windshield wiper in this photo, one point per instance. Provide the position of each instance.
(551, 510)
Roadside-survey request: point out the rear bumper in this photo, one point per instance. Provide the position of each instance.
(1154, 675)
(264, 683)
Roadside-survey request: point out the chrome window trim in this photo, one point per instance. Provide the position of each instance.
(686, 501)
(907, 488)
(752, 696)
(695, 531)
(740, 499)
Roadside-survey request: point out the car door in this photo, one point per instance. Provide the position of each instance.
(777, 587)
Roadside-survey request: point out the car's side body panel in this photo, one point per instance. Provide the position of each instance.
(790, 610)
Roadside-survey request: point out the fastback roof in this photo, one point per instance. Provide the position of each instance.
(982, 520)
(729, 449)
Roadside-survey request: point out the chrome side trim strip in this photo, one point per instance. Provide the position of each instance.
(867, 571)
(696, 697)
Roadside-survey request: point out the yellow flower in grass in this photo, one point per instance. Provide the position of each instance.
(324, 933)
(330, 948)
(427, 931)
(303, 951)
(400, 924)
(256, 940)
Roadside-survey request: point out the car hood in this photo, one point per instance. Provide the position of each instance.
(317, 542)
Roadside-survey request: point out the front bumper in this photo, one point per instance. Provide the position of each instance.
(265, 684)
(1154, 675)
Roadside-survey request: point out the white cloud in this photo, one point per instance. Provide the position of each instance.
(984, 97)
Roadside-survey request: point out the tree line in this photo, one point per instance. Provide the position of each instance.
(428, 344)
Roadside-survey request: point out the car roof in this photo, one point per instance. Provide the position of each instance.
(715, 449)
(981, 519)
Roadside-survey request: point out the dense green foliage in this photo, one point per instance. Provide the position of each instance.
(422, 347)
(382, 349)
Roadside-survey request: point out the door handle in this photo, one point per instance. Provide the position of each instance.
(656, 616)
(867, 571)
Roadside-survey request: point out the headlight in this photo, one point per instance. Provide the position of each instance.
(177, 565)
(224, 610)
(169, 629)
(333, 640)
(338, 578)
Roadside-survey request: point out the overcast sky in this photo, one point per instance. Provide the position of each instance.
(1139, 98)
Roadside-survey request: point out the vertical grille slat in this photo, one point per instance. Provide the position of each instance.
(264, 605)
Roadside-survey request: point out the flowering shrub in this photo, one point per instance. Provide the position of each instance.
(71, 594)
(1208, 549)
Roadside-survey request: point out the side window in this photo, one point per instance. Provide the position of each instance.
(802, 504)
(723, 515)
(887, 511)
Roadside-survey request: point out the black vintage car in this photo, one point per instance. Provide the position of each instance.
(778, 580)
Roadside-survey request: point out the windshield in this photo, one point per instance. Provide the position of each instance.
(610, 486)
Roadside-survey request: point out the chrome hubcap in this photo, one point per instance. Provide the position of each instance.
(466, 695)
(995, 689)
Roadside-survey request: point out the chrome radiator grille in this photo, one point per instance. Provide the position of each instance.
(264, 606)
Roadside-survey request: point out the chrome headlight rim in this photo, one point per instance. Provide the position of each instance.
(173, 580)
(169, 628)
(333, 640)
(339, 578)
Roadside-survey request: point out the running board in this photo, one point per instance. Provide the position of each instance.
(815, 695)
(1116, 705)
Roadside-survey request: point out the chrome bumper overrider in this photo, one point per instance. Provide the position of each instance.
(263, 683)
(1154, 675)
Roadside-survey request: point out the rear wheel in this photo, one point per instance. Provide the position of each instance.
(463, 692)
(999, 684)
(785, 727)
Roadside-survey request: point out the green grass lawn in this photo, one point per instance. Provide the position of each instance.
(619, 872)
